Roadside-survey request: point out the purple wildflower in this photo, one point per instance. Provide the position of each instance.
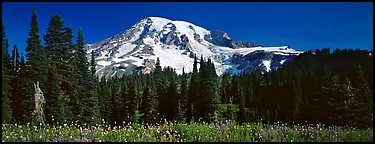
(271, 132)
(57, 139)
(85, 140)
(85, 131)
(263, 133)
(169, 137)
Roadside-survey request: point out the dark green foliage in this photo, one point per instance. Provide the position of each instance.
(116, 101)
(60, 52)
(160, 84)
(88, 99)
(172, 101)
(224, 90)
(6, 110)
(105, 100)
(241, 114)
(53, 38)
(317, 87)
(130, 99)
(17, 93)
(15, 85)
(183, 97)
(364, 101)
(92, 64)
(149, 104)
(230, 111)
(55, 108)
(193, 93)
(36, 69)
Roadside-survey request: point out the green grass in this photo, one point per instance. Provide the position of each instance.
(227, 131)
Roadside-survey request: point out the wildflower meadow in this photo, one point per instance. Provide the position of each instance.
(223, 131)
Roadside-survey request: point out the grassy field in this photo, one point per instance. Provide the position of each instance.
(227, 131)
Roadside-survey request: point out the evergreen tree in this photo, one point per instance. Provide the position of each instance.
(230, 113)
(5, 52)
(202, 102)
(105, 98)
(70, 77)
(160, 88)
(116, 101)
(53, 39)
(60, 48)
(55, 108)
(86, 82)
(213, 91)
(15, 84)
(15, 60)
(92, 64)
(17, 101)
(149, 104)
(183, 97)
(193, 92)
(297, 99)
(364, 100)
(130, 99)
(37, 68)
(242, 113)
(171, 101)
(6, 110)
(224, 88)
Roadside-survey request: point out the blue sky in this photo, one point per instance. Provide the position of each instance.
(301, 25)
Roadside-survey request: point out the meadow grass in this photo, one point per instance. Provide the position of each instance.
(224, 131)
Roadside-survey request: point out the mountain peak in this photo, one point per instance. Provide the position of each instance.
(176, 43)
(157, 19)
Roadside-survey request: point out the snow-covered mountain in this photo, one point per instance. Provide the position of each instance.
(176, 43)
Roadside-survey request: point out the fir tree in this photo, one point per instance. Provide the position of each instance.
(242, 114)
(37, 67)
(92, 64)
(6, 111)
(160, 88)
(224, 88)
(364, 99)
(149, 103)
(171, 101)
(130, 99)
(55, 108)
(116, 101)
(60, 48)
(193, 92)
(15, 60)
(183, 97)
(86, 82)
(15, 85)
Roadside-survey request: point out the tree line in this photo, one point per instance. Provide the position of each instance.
(318, 86)
(60, 67)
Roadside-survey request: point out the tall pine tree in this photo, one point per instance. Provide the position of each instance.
(193, 92)
(60, 51)
(6, 110)
(36, 68)
(15, 84)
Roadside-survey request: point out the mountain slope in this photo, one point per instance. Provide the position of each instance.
(176, 43)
